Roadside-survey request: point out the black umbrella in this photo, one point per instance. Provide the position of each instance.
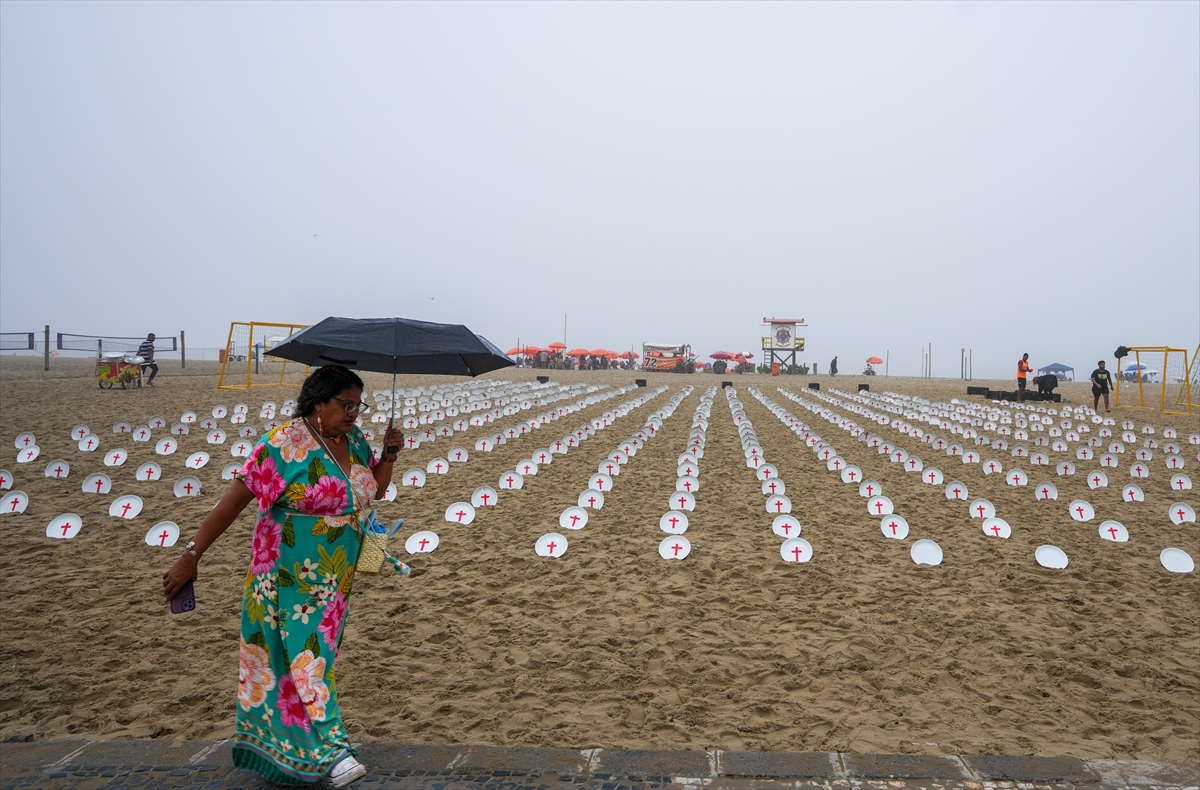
(393, 345)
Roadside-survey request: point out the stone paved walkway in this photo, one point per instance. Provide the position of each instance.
(155, 765)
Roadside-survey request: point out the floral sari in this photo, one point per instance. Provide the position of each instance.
(306, 541)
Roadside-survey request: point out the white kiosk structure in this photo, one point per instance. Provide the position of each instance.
(781, 346)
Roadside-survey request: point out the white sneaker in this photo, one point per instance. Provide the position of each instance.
(346, 772)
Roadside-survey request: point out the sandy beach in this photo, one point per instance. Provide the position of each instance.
(611, 646)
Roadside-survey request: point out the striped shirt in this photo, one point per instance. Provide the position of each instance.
(146, 350)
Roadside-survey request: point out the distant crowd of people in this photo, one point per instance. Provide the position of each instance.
(545, 361)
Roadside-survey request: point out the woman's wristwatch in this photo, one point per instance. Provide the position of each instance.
(190, 548)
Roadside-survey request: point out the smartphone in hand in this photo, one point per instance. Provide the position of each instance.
(184, 600)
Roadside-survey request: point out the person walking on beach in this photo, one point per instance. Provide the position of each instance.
(313, 479)
(833, 367)
(1023, 369)
(1101, 379)
(146, 352)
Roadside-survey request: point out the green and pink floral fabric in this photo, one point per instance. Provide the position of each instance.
(297, 595)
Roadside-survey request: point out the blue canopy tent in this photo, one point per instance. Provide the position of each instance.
(1059, 370)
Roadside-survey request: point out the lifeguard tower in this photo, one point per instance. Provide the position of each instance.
(784, 342)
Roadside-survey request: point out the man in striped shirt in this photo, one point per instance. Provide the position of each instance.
(146, 352)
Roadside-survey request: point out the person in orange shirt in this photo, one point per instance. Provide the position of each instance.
(1023, 369)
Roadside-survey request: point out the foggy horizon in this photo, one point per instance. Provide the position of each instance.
(1005, 178)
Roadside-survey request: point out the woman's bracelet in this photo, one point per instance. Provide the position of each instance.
(190, 548)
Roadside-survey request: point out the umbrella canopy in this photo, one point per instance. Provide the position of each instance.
(634, 355)
(874, 361)
(557, 345)
(721, 355)
(597, 352)
(515, 352)
(578, 352)
(393, 345)
(1136, 366)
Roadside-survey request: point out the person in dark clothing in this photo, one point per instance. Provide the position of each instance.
(1046, 383)
(1101, 379)
(146, 352)
(833, 367)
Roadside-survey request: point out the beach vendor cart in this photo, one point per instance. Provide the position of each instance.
(123, 369)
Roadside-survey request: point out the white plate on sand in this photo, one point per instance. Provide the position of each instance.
(64, 527)
(1177, 561)
(573, 517)
(14, 502)
(551, 544)
(674, 522)
(163, 534)
(591, 498)
(796, 550)
(127, 506)
(894, 526)
(97, 484)
(1114, 531)
(674, 547)
(421, 542)
(996, 528)
(460, 513)
(58, 469)
(148, 471)
(1050, 556)
(484, 496)
(926, 552)
(786, 526)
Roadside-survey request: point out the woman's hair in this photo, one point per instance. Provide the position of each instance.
(322, 385)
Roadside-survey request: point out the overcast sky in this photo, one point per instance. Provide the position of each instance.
(1005, 177)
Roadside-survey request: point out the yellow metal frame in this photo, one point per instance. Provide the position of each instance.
(1136, 352)
(293, 328)
(1184, 398)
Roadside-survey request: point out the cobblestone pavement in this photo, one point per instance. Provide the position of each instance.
(155, 765)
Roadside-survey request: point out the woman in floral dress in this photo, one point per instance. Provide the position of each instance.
(313, 478)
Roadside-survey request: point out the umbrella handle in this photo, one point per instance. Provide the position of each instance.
(390, 449)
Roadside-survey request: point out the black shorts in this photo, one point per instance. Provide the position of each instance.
(1020, 384)
(1098, 391)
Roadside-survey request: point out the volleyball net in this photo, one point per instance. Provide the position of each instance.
(246, 360)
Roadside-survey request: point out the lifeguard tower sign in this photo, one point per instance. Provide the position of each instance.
(783, 343)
